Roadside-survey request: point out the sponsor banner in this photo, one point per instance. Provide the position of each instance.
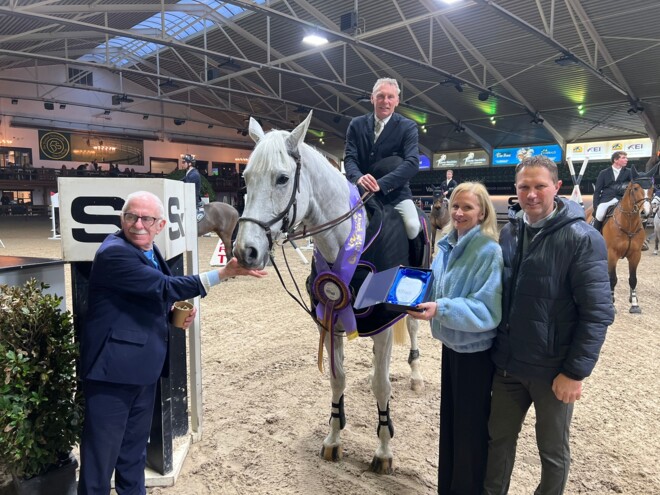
(457, 159)
(602, 150)
(424, 162)
(513, 156)
(90, 209)
(54, 146)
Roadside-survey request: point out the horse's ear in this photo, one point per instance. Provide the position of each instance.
(297, 136)
(634, 171)
(256, 132)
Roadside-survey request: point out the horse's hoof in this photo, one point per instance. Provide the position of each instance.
(635, 310)
(655, 253)
(333, 454)
(381, 466)
(416, 385)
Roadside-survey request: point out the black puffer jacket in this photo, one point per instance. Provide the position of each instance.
(556, 301)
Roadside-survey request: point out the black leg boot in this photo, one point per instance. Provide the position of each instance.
(598, 225)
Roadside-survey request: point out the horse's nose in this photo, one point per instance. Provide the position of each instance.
(247, 255)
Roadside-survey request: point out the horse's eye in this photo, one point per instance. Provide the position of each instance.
(281, 180)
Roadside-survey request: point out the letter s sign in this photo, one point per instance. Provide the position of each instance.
(175, 217)
(78, 214)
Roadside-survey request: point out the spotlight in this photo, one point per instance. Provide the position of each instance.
(580, 109)
(106, 112)
(14, 101)
(484, 95)
(566, 59)
(536, 119)
(145, 117)
(451, 81)
(493, 120)
(635, 107)
(62, 106)
(458, 128)
(49, 106)
(179, 121)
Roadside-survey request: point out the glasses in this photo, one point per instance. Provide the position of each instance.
(132, 218)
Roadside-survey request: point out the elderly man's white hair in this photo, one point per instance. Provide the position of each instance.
(145, 194)
(386, 80)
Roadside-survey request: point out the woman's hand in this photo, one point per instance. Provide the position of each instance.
(428, 311)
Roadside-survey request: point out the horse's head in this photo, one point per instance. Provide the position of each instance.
(275, 199)
(644, 181)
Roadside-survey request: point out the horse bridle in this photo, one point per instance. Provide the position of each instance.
(284, 214)
(292, 233)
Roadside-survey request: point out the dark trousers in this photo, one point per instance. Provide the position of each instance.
(464, 408)
(512, 398)
(115, 435)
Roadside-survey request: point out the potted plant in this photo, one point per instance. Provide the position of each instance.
(40, 408)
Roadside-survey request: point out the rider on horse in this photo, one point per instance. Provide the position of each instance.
(610, 186)
(192, 177)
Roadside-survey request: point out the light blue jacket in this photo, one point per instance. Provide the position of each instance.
(467, 288)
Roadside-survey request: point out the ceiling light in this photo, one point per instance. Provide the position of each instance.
(452, 81)
(580, 109)
(210, 126)
(106, 112)
(14, 101)
(458, 128)
(49, 106)
(145, 117)
(315, 39)
(62, 106)
(179, 121)
(493, 120)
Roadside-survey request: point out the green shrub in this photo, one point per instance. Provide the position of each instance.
(40, 411)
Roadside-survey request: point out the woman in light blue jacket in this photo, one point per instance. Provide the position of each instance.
(464, 311)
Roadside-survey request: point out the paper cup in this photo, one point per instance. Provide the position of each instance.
(181, 311)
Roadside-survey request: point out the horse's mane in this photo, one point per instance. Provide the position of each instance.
(272, 149)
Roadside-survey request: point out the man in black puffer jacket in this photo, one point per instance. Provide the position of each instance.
(556, 310)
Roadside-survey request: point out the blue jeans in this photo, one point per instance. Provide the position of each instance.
(510, 402)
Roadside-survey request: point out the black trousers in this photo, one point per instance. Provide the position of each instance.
(464, 409)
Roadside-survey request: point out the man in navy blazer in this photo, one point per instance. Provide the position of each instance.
(609, 186)
(383, 134)
(124, 344)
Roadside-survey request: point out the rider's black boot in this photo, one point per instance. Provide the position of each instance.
(598, 225)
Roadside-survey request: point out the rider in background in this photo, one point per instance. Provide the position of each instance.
(448, 184)
(192, 177)
(610, 187)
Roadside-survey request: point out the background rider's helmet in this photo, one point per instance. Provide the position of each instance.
(188, 159)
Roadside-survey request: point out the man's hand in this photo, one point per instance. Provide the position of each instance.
(369, 183)
(566, 389)
(188, 321)
(233, 269)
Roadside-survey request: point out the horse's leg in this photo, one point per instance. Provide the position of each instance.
(657, 235)
(332, 449)
(416, 378)
(633, 261)
(226, 240)
(382, 389)
(611, 268)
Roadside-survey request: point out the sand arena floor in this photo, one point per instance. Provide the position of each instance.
(266, 406)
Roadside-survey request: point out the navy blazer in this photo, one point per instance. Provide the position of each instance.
(124, 337)
(193, 177)
(398, 138)
(607, 188)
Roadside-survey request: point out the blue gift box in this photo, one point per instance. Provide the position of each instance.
(400, 288)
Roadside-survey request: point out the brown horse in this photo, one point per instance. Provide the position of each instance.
(220, 218)
(439, 214)
(624, 232)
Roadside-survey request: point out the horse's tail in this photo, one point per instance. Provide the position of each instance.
(399, 332)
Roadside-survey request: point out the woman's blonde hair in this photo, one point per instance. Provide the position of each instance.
(489, 223)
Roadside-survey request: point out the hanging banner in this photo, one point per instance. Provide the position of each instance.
(513, 156)
(456, 159)
(602, 150)
(54, 145)
(424, 162)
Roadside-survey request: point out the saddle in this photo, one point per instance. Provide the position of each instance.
(386, 246)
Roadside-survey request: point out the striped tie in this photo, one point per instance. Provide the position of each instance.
(377, 128)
